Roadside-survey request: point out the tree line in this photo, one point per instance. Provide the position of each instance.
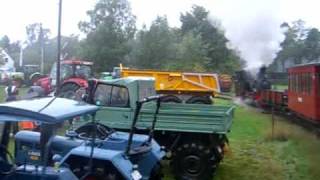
(300, 45)
(112, 37)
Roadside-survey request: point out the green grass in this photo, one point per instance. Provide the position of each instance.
(253, 154)
(279, 87)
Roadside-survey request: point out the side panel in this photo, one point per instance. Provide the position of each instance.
(302, 91)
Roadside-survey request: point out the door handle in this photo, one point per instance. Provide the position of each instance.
(125, 116)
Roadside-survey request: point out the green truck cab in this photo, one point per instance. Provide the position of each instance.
(194, 135)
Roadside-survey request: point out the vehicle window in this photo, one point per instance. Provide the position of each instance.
(102, 95)
(83, 71)
(146, 90)
(120, 97)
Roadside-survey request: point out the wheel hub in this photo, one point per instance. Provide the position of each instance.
(192, 164)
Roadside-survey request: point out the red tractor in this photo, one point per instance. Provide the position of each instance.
(74, 76)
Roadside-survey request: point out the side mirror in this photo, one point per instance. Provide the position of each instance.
(56, 158)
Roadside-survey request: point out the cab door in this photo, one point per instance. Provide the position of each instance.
(115, 106)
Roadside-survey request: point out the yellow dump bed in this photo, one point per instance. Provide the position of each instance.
(178, 82)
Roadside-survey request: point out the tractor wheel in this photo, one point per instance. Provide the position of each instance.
(156, 173)
(199, 100)
(69, 90)
(193, 161)
(171, 99)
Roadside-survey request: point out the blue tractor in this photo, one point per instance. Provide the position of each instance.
(116, 155)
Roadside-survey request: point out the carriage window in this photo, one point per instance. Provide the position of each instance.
(309, 83)
(300, 86)
(296, 89)
(318, 82)
(102, 95)
(120, 97)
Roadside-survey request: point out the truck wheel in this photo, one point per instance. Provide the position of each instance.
(156, 173)
(68, 90)
(193, 161)
(171, 99)
(199, 100)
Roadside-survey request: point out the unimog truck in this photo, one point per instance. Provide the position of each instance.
(193, 134)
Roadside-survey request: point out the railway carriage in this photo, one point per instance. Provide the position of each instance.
(304, 91)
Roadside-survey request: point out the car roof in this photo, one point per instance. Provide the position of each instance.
(50, 110)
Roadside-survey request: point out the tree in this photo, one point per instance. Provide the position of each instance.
(34, 33)
(109, 30)
(220, 57)
(5, 43)
(154, 48)
(12, 48)
(191, 54)
(312, 45)
(299, 45)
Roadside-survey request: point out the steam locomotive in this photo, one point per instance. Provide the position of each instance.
(301, 98)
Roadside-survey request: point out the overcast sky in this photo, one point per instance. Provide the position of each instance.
(252, 26)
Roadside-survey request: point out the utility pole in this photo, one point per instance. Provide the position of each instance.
(41, 49)
(21, 57)
(59, 48)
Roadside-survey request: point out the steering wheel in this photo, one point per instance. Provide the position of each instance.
(85, 137)
(85, 132)
(6, 165)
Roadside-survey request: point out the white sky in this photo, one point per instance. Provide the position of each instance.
(249, 24)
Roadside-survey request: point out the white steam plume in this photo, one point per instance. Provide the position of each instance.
(253, 27)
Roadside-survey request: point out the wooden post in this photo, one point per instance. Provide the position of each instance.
(273, 122)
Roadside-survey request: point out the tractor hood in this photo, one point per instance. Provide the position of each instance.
(50, 110)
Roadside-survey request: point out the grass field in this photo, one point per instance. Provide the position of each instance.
(293, 154)
(253, 154)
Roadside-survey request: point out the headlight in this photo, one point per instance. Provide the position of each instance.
(136, 175)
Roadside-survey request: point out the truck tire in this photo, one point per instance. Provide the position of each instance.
(171, 99)
(199, 100)
(193, 161)
(68, 90)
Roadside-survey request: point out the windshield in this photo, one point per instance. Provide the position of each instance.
(82, 71)
(68, 71)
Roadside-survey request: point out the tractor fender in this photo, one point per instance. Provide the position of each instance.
(78, 81)
(149, 160)
(152, 159)
(115, 157)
